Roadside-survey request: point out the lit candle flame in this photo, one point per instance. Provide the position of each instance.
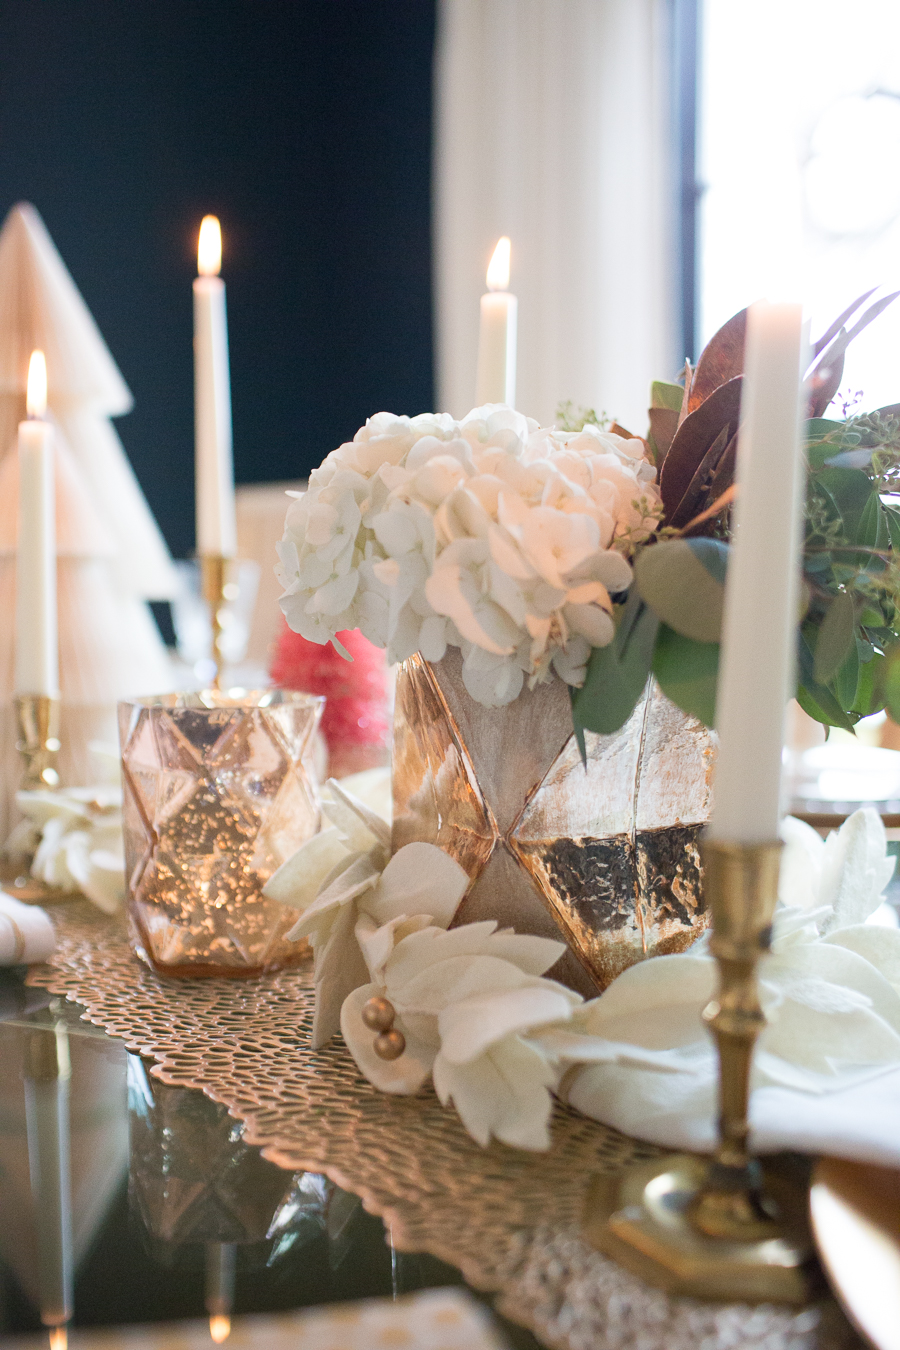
(59, 1338)
(36, 393)
(498, 267)
(209, 247)
(220, 1328)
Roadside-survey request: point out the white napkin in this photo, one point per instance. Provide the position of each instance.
(827, 1067)
(26, 933)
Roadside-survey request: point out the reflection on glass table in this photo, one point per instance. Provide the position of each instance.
(168, 1214)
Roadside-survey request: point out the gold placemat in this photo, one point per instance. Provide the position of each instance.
(510, 1220)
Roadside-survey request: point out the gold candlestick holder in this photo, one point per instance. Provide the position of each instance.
(725, 1229)
(214, 573)
(38, 745)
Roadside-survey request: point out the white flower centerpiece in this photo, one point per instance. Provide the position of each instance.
(490, 556)
(493, 535)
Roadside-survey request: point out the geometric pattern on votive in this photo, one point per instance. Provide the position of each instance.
(215, 799)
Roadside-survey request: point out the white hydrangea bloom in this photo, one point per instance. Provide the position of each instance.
(492, 534)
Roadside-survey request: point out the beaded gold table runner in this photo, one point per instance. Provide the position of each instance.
(509, 1220)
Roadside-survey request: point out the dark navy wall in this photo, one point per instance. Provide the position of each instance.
(306, 126)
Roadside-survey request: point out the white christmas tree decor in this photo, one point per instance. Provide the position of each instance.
(112, 557)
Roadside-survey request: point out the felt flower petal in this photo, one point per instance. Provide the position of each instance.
(351, 880)
(419, 879)
(358, 823)
(377, 943)
(299, 877)
(471, 1026)
(855, 868)
(415, 954)
(402, 1076)
(339, 970)
(504, 1093)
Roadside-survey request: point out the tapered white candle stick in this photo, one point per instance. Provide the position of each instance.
(216, 521)
(496, 378)
(37, 657)
(757, 665)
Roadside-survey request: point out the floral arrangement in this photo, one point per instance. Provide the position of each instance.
(471, 1009)
(492, 534)
(600, 556)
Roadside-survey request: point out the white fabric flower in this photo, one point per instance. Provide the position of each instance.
(76, 835)
(465, 1001)
(346, 871)
(490, 534)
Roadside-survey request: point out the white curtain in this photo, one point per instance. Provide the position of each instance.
(553, 126)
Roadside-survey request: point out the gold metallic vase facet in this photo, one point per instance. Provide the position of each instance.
(218, 791)
(604, 858)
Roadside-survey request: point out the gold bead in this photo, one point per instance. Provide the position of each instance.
(390, 1044)
(378, 1014)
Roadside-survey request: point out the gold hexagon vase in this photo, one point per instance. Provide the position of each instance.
(603, 857)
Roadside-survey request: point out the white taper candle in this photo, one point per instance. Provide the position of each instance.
(757, 665)
(37, 656)
(216, 523)
(496, 375)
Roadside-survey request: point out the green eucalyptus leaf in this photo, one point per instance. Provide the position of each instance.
(665, 395)
(850, 491)
(817, 428)
(835, 639)
(868, 694)
(813, 697)
(845, 682)
(892, 516)
(683, 582)
(687, 671)
(819, 453)
(890, 681)
(868, 522)
(617, 673)
(823, 709)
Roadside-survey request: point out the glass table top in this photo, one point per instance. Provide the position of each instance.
(173, 1216)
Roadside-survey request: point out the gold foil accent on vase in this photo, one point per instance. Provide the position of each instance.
(218, 792)
(604, 858)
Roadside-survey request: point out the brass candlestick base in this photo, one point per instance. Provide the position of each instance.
(725, 1229)
(38, 744)
(214, 575)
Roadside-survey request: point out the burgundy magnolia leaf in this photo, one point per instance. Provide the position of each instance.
(694, 438)
(721, 360)
(828, 370)
(701, 524)
(688, 381)
(822, 385)
(839, 322)
(694, 497)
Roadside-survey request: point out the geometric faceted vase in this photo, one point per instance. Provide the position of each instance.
(603, 858)
(218, 791)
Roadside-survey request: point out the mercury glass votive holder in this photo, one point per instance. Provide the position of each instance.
(219, 789)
